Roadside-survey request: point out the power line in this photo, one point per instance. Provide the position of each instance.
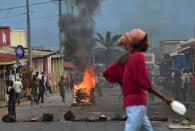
(33, 19)
(12, 16)
(45, 17)
(12, 4)
(23, 6)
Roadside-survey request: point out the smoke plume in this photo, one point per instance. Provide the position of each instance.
(78, 30)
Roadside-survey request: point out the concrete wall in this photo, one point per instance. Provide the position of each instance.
(57, 71)
(37, 65)
(18, 37)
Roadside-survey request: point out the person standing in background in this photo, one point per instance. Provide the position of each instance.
(41, 90)
(62, 84)
(18, 89)
(45, 80)
(34, 93)
(11, 99)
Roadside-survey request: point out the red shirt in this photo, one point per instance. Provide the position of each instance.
(133, 77)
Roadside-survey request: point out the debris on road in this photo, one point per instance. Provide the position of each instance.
(119, 118)
(185, 122)
(33, 119)
(102, 118)
(177, 126)
(158, 118)
(47, 117)
(91, 119)
(8, 118)
(69, 116)
(176, 121)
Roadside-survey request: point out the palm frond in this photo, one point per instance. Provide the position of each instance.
(100, 41)
(108, 38)
(114, 39)
(100, 36)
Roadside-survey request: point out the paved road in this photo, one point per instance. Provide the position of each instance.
(109, 105)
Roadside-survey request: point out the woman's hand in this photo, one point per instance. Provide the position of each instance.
(168, 100)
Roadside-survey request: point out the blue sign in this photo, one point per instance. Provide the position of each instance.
(19, 51)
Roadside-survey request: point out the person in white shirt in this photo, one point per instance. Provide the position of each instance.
(18, 89)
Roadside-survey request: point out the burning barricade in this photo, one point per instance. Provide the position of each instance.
(84, 92)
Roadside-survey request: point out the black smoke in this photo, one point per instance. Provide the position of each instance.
(78, 31)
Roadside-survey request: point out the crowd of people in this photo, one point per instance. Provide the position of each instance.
(40, 87)
(178, 83)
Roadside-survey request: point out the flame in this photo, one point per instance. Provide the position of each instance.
(86, 85)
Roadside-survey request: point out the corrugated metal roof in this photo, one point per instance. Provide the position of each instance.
(183, 49)
(69, 65)
(189, 44)
(6, 59)
(36, 53)
(57, 56)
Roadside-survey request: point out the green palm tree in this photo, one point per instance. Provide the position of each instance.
(106, 49)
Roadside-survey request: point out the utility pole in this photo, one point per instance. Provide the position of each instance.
(29, 35)
(61, 49)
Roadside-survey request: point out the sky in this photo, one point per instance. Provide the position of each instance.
(161, 19)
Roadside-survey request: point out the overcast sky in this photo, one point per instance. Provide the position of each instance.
(164, 19)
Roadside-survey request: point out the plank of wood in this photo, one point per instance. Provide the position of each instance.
(176, 126)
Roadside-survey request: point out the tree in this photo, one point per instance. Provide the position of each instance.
(106, 49)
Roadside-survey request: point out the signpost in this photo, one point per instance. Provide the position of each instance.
(17, 66)
(20, 51)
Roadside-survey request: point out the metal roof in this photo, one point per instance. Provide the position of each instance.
(69, 65)
(36, 53)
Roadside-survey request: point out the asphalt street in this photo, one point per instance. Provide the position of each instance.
(109, 105)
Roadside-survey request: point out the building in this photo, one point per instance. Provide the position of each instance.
(188, 48)
(18, 37)
(68, 66)
(169, 46)
(8, 38)
(43, 60)
(4, 36)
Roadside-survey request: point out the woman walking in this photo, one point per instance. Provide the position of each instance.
(131, 73)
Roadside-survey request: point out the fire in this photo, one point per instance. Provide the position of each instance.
(83, 91)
